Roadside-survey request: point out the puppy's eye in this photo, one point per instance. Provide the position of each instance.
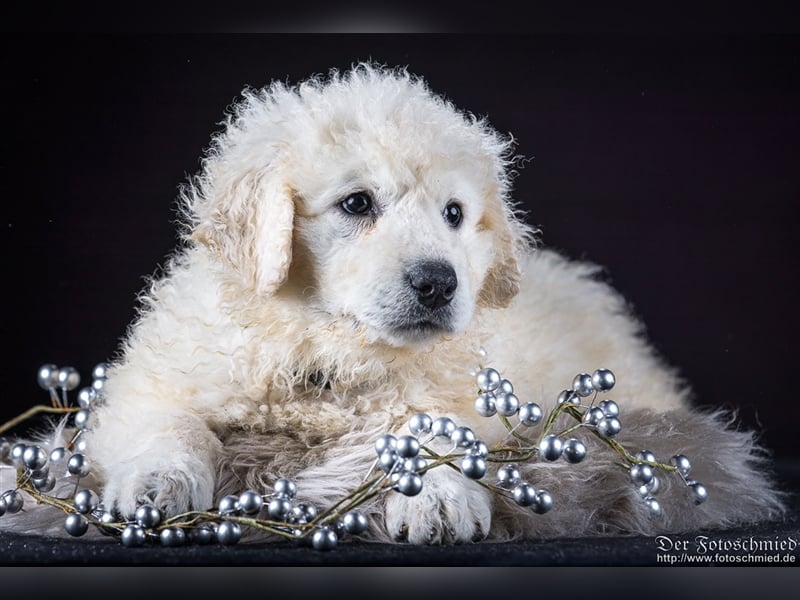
(359, 203)
(453, 214)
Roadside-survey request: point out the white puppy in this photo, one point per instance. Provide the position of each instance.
(350, 245)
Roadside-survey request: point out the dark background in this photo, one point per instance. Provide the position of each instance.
(671, 159)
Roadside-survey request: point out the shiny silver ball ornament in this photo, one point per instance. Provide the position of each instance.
(409, 484)
(570, 396)
(407, 446)
(479, 448)
(16, 454)
(609, 427)
(609, 408)
(47, 376)
(305, 512)
(76, 524)
(45, 484)
(641, 474)
(278, 509)
(443, 427)
(508, 476)
(551, 447)
(203, 534)
(147, 516)
(14, 501)
(86, 396)
(582, 384)
(78, 465)
(507, 404)
(593, 416)
(646, 456)
(473, 466)
(488, 380)
(653, 506)
(98, 385)
(698, 492)
(385, 442)
(229, 533)
(133, 536)
(530, 414)
(85, 501)
(603, 380)
(324, 539)
(574, 450)
(505, 387)
(100, 371)
(682, 463)
(81, 445)
(58, 455)
(68, 378)
(251, 502)
(485, 404)
(106, 518)
(285, 488)
(388, 460)
(34, 457)
(172, 537)
(354, 522)
(524, 494)
(81, 418)
(544, 502)
(229, 505)
(463, 437)
(420, 423)
(415, 464)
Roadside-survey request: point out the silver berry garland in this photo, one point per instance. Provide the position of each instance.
(400, 464)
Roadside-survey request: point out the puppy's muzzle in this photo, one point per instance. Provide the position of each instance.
(434, 283)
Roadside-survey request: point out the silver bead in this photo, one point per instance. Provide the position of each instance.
(530, 414)
(100, 371)
(603, 380)
(507, 404)
(488, 380)
(682, 463)
(609, 427)
(420, 423)
(324, 539)
(649, 489)
(653, 506)
(354, 522)
(45, 484)
(582, 384)
(81, 418)
(98, 385)
(550, 447)
(574, 450)
(479, 448)
(443, 427)
(387, 460)
(68, 378)
(508, 476)
(133, 536)
(409, 484)
(172, 537)
(57, 455)
(385, 442)
(47, 376)
(34, 457)
(2, 505)
(81, 445)
(16, 454)
(14, 501)
(76, 524)
(505, 387)
(524, 494)
(463, 437)
(473, 466)
(106, 518)
(78, 465)
(646, 456)
(407, 446)
(609, 408)
(229, 533)
(593, 415)
(147, 516)
(85, 501)
(415, 464)
(641, 474)
(304, 512)
(229, 505)
(251, 502)
(86, 396)
(544, 502)
(203, 534)
(570, 396)
(485, 404)
(285, 488)
(699, 492)
(278, 508)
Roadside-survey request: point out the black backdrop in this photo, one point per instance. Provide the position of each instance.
(669, 159)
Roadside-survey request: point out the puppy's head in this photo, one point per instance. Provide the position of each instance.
(367, 197)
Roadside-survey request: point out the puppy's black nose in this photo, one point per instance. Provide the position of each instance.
(435, 283)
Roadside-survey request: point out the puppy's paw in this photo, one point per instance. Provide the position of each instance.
(449, 509)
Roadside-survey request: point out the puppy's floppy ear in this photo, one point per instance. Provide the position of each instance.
(249, 222)
(502, 279)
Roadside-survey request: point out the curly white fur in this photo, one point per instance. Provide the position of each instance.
(277, 287)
